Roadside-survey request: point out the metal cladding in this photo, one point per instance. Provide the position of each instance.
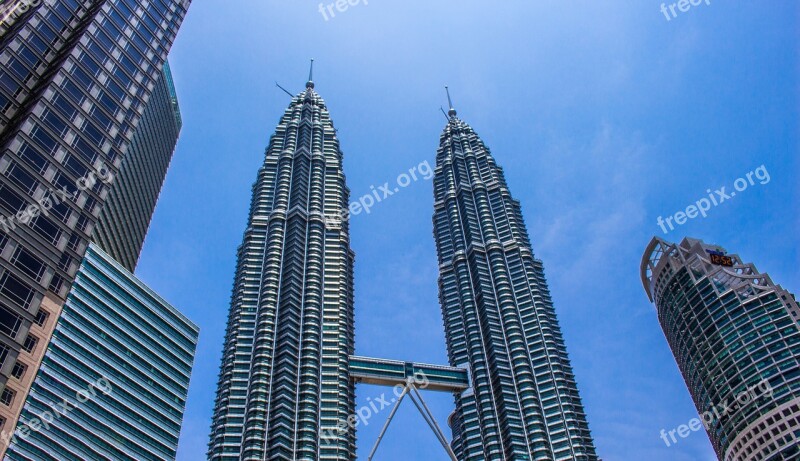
(736, 338)
(284, 385)
(499, 319)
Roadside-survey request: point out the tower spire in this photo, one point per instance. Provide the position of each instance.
(452, 112)
(310, 83)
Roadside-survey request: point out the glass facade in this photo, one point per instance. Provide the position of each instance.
(120, 358)
(284, 376)
(75, 77)
(126, 215)
(499, 318)
(736, 338)
(386, 372)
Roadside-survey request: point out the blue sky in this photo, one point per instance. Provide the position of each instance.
(604, 115)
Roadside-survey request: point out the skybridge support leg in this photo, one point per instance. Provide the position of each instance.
(428, 416)
(410, 389)
(388, 420)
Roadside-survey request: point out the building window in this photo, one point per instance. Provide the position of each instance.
(66, 261)
(32, 158)
(19, 370)
(16, 290)
(83, 222)
(56, 284)
(30, 343)
(3, 354)
(11, 200)
(22, 178)
(28, 263)
(43, 140)
(7, 397)
(44, 227)
(9, 321)
(41, 317)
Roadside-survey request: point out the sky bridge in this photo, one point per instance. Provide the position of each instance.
(385, 372)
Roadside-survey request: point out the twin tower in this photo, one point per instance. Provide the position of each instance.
(287, 380)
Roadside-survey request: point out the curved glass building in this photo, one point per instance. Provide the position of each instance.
(284, 384)
(736, 337)
(115, 377)
(499, 319)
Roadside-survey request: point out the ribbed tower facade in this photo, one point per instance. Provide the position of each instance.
(284, 384)
(735, 335)
(124, 219)
(499, 319)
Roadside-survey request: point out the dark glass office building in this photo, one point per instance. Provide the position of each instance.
(284, 379)
(129, 207)
(499, 319)
(75, 77)
(736, 338)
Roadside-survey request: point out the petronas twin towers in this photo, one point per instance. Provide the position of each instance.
(286, 387)
(284, 376)
(499, 319)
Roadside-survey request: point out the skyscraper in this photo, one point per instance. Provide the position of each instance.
(498, 316)
(736, 338)
(155, 341)
(74, 80)
(114, 379)
(130, 204)
(284, 377)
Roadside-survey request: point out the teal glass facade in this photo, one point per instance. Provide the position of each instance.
(499, 319)
(114, 335)
(734, 334)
